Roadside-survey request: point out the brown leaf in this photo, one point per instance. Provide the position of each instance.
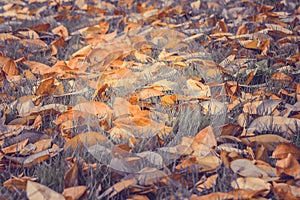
(37, 68)
(148, 93)
(122, 108)
(283, 150)
(74, 193)
(236, 194)
(40, 156)
(117, 188)
(46, 87)
(282, 77)
(87, 139)
(36, 191)
(61, 30)
(269, 141)
(121, 151)
(251, 183)
(223, 26)
(149, 176)
(100, 109)
(250, 44)
(32, 136)
(287, 126)
(204, 141)
(71, 176)
(200, 163)
(17, 183)
(206, 183)
(246, 168)
(284, 191)
(41, 27)
(15, 147)
(8, 66)
(289, 166)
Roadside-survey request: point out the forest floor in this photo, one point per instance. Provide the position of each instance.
(149, 99)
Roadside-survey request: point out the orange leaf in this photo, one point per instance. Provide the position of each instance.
(15, 147)
(41, 27)
(250, 44)
(117, 188)
(252, 183)
(61, 30)
(289, 166)
(204, 141)
(284, 191)
(37, 68)
(99, 109)
(280, 76)
(8, 66)
(148, 93)
(283, 150)
(104, 27)
(71, 176)
(16, 183)
(223, 26)
(269, 141)
(123, 108)
(242, 30)
(167, 100)
(250, 76)
(86, 139)
(74, 192)
(46, 87)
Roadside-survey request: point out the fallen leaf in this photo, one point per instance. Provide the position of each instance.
(71, 176)
(246, 168)
(117, 188)
(289, 166)
(269, 141)
(35, 191)
(86, 140)
(283, 150)
(149, 176)
(100, 109)
(204, 141)
(274, 124)
(74, 192)
(252, 183)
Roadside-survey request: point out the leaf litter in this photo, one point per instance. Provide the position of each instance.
(173, 96)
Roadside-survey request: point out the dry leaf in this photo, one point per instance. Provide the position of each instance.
(204, 141)
(36, 191)
(71, 176)
(274, 124)
(74, 192)
(289, 166)
(86, 140)
(100, 109)
(269, 141)
(251, 183)
(283, 150)
(117, 188)
(246, 168)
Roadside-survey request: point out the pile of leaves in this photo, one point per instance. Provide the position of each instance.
(149, 99)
